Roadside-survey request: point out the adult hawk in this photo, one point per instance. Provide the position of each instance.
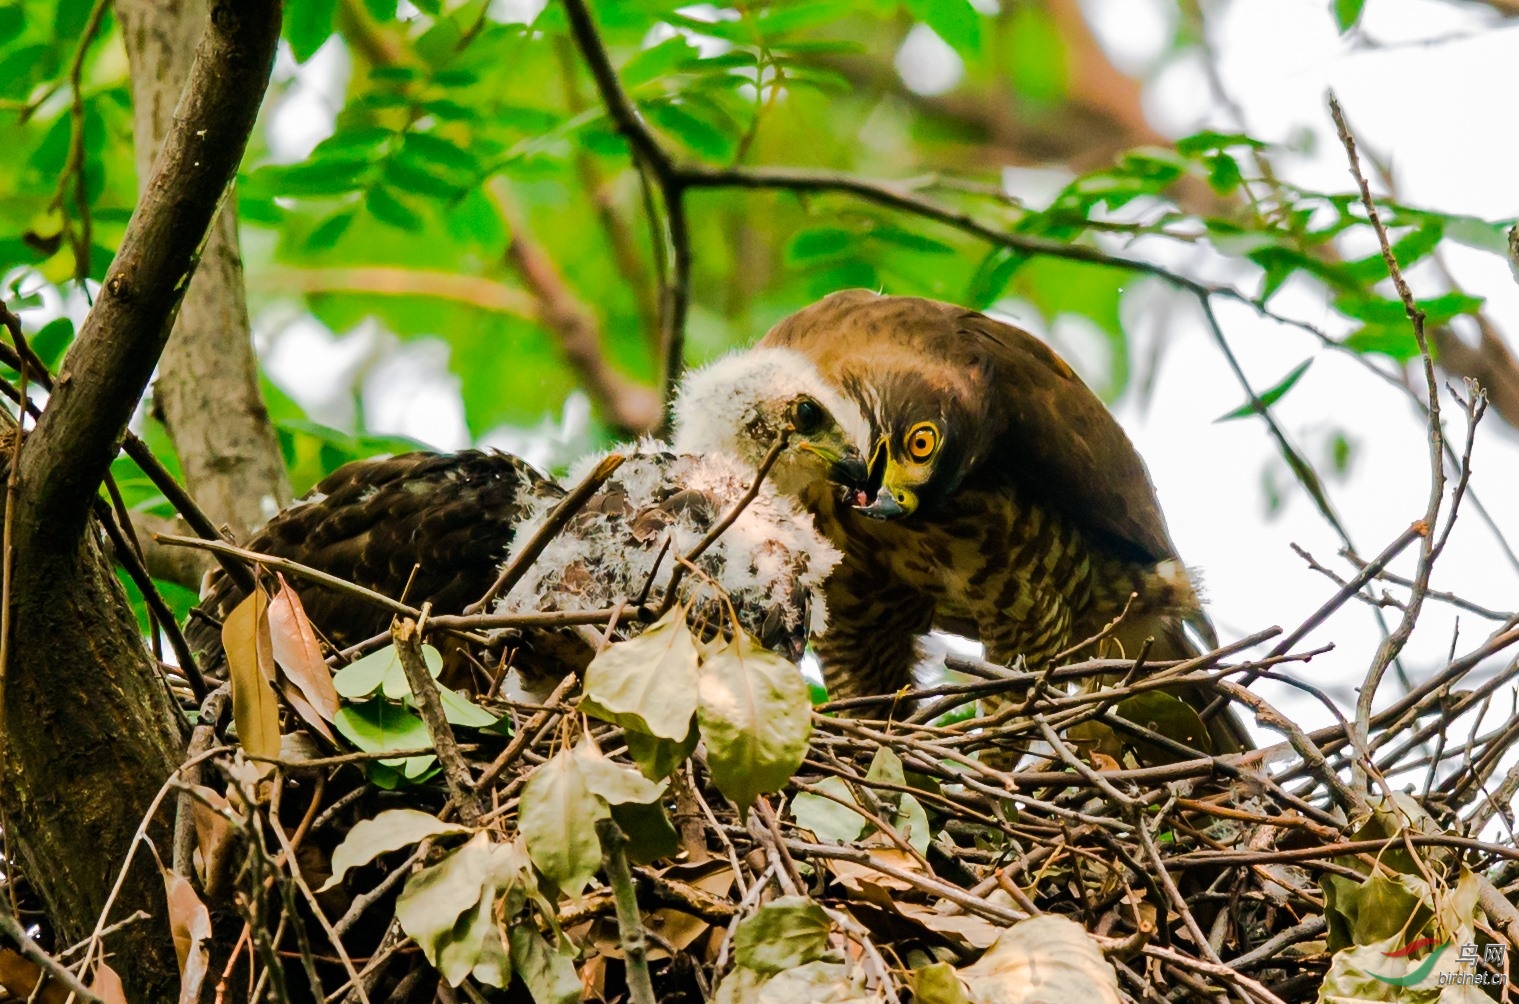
(429, 527)
(1009, 503)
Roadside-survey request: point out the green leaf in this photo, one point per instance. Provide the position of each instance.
(1167, 715)
(327, 233)
(461, 711)
(755, 717)
(784, 933)
(696, 131)
(650, 833)
(955, 21)
(656, 61)
(440, 153)
(52, 341)
(1407, 250)
(548, 974)
(647, 683)
(382, 670)
(493, 966)
(816, 245)
(379, 726)
(775, 20)
(903, 812)
(1224, 175)
(336, 175)
(404, 174)
(464, 948)
(12, 22)
(1437, 309)
(1270, 396)
(657, 757)
(612, 781)
(1396, 341)
(1484, 235)
(437, 896)
(1037, 55)
(557, 817)
(389, 831)
(938, 984)
(1390, 905)
(827, 819)
(1347, 13)
(387, 208)
(1210, 141)
(908, 240)
(308, 23)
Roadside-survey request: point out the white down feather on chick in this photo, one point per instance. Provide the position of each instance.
(771, 563)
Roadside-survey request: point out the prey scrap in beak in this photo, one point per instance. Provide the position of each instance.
(879, 499)
(884, 507)
(874, 498)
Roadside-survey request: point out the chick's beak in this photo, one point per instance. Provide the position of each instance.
(850, 471)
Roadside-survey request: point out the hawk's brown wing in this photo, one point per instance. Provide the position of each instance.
(1056, 438)
(426, 527)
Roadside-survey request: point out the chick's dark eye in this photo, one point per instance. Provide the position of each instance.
(807, 416)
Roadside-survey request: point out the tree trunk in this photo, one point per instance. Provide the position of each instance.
(207, 391)
(90, 736)
(89, 733)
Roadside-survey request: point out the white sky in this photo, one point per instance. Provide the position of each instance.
(1434, 99)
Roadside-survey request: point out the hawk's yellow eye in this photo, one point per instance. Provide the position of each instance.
(921, 441)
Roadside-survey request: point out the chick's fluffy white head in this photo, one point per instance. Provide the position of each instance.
(739, 404)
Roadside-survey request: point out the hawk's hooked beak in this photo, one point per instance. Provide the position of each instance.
(892, 497)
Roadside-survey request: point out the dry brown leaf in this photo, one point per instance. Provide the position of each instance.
(250, 664)
(298, 653)
(107, 985)
(19, 975)
(679, 928)
(190, 924)
(213, 835)
(1045, 958)
(873, 885)
(311, 716)
(968, 929)
(1103, 762)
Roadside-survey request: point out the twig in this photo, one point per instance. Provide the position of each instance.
(167, 623)
(74, 168)
(555, 522)
(424, 691)
(296, 569)
(1393, 644)
(671, 182)
(51, 967)
(629, 921)
(527, 735)
(685, 561)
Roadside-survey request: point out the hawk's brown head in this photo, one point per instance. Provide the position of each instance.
(929, 429)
